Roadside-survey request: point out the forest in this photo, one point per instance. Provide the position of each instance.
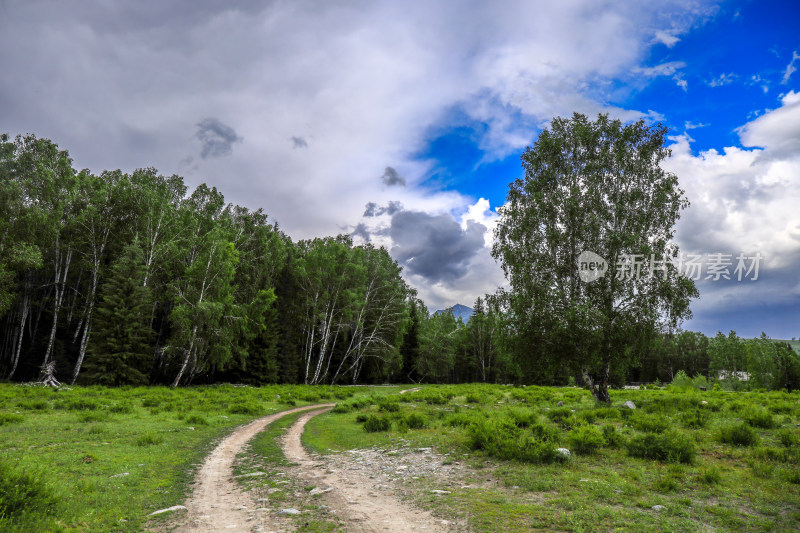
(132, 279)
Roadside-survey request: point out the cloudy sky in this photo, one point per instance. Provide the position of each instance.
(402, 123)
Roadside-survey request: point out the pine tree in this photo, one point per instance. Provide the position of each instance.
(409, 350)
(120, 352)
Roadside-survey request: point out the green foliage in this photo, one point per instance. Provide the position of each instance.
(682, 381)
(585, 439)
(415, 421)
(570, 195)
(245, 408)
(670, 446)
(149, 439)
(694, 418)
(648, 423)
(10, 418)
(759, 418)
(374, 424)
(738, 434)
(502, 439)
(789, 437)
(23, 492)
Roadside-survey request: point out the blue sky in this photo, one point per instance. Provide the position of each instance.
(402, 123)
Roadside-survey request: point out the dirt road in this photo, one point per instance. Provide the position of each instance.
(217, 503)
(353, 498)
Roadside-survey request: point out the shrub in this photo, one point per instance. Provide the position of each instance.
(789, 437)
(682, 381)
(503, 440)
(196, 420)
(151, 402)
(670, 446)
(120, 408)
(710, 475)
(388, 406)
(648, 423)
(244, 409)
(35, 405)
(474, 397)
(586, 439)
(613, 438)
(10, 418)
(374, 424)
(78, 405)
(544, 432)
(700, 381)
(739, 434)
(415, 421)
(149, 439)
(23, 492)
(694, 419)
(92, 416)
(759, 418)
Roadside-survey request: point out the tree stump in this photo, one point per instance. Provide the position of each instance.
(47, 375)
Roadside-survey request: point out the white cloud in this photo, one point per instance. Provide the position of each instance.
(723, 79)
(667, 38)
(663, 69)
(790, 68)
(746, 200)
(323, 95)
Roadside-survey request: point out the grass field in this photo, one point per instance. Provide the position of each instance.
(100, 459)
(713, 460)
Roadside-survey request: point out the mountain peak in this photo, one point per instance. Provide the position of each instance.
(459, 311)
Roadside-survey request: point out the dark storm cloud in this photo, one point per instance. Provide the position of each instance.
(217, 138)
(370, 209)
(374, 210)
(434, 246)
(361, 231)
(299, 142)
(391, 177)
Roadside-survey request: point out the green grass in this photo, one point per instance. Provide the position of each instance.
(101, 459)
(669, 451)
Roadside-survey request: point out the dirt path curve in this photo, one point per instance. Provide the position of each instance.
(217, 503)
(362, 509)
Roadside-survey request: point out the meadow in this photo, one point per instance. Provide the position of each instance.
(102, 459)
(711, 460)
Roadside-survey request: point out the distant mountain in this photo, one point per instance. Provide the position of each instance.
(458, 311)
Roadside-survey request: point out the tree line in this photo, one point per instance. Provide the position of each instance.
(122, 278)
(118, 279)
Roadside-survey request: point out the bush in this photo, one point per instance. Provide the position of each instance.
(415, 421)
(682, 381)
(374, 424)
(585, 439)
(388, 406)
(759, 418)
(245, 409)
(613, 438)
(739, 434)
(149, 439)
(196, 420)
(648, 423)
(10, 418)
(694, 419)
(670, 446)
(92, 416)
(789, 437)
(503, 440)
(23, 492)
(120, 408)
(710, 475)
